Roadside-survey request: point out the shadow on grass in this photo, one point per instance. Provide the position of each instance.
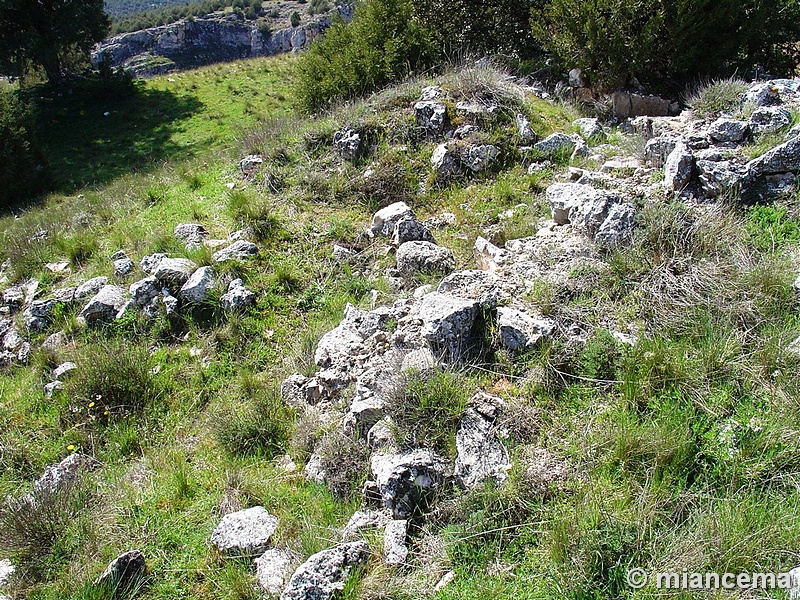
(92, 134)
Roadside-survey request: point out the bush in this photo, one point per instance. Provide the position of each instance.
(717, 98)
(21, 162)
(666, 43)
(479, 27)
(113, 381)
(295, 19)
(42, 532)
(383, 43)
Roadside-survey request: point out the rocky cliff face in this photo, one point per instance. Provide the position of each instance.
(216, 37)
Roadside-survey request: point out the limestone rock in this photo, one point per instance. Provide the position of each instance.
(124, 572)
(489, 257)
(781, 159)
(520, 331)
(617, 228)
(273, 569)
(347, 142)
(447, 324)
(191, 234)
(237, 297)
(37, 314)
(14, 297)
(174, 271)
(384, 220)
(57, 477)
(395, 551)
(12, 340)
(245, 533)
(728, 130)
(763, 94)
(658, 149)
(408, 229)
(382, 435)
(63, 369)
(678, 167)
(431, 115)
(769, 118)
(150, 263)
(424, 257)
(555, 144)
(123, 267)
(324, 573)
(524, 129)
(90, 288)
(479, 158)
(587, 209)
(717, 177)
(170, 303)
(481, 455)
(589, 128)
(250, 164)
(239, 250)
(105, 306)
(364, 519)
(144, 291)
(198, 286)
(446, 162)
(407, 480)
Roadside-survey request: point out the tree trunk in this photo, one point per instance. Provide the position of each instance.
(52, 68)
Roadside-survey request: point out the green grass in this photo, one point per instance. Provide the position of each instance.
(679, 451)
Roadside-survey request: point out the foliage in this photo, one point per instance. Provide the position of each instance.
(478, 28)
(134, 17)
(295, 19)
(21, 160)
(383, 43)
(667, 43)
(41, 531)
(113, 381)
(55, 36)
(317, 7)
(717, 97)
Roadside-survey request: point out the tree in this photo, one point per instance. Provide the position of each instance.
(383, 43)
(480, 26)
(665, 44)
(21, 161)
(55, 35)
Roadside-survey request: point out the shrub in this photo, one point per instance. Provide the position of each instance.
(383, 43)
(295, 19)
(666, 43)
(718, 97)
(480, 28)
(113, 381)
(21, 162)
(42, 532)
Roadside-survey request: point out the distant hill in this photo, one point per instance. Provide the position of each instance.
(122, 8)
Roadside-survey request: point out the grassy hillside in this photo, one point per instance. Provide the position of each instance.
(680, 450)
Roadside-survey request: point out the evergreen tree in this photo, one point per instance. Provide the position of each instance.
(53, 34)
